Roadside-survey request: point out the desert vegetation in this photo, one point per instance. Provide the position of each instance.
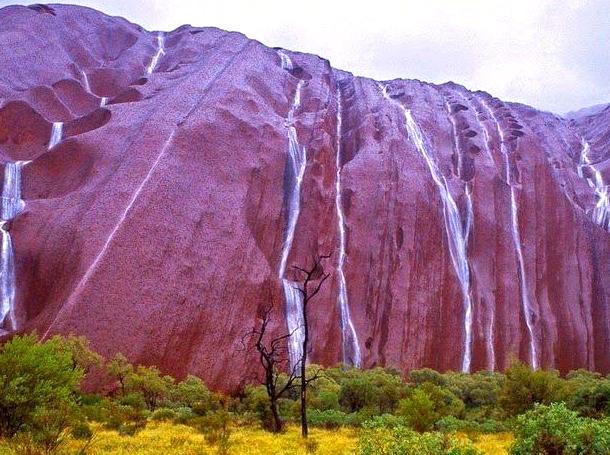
(44, 409)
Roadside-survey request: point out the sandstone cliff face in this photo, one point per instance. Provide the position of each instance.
(474, 230)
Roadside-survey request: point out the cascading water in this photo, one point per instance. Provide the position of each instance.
(160, 51)
(297, 159)
(601, 212)
(8, 320)
(86, 81)
(12, 204)
(56, 134)
(351, 348)
(525, 300)
(286, 62)
(103, 101)
(457, 236)
(491, 352)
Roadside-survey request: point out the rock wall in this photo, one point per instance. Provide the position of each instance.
(155, 227)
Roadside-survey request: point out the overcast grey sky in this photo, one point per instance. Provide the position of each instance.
(552, 54)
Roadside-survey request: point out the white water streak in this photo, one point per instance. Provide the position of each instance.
(86, 81)
(514, 210)
(56, 134)
(160, 51)
(457, 237)
(601, 211)
(93, 267)
(12, 203)
(490, 344)
(297, 160)
(351, 348)
(8, 320)
(103, 101)
(285, 61)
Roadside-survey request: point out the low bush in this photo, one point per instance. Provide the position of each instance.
(386, 421)
(328, 419)
(401, 440)
(163, 414)
(428, 403)
(555, 429)
(217, 428)
(183, 415)
(451, 424)
(524, 387)
(125, 419)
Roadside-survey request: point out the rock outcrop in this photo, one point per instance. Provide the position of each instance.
(474, 230)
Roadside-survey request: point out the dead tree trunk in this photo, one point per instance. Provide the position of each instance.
(273, 355)
(309, 289)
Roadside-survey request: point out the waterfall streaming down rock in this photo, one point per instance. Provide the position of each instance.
(160, 51)
(514, 215)
(8, 320)
(297, 161)
(457, 236)
(103, 101)
(86, 81)
(12, 203)
(601, 212)
(56, 134)
(350, 346)
(286, 62)
(491, 304)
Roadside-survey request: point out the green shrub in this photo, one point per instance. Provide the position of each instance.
(323, 394)
(82, 431)
(163, 414)
(555, 429)
(39, 391)
(217, 428)
(385, 421)
(476, 390)
(418, 411)
(148, 382)
(356, 393)
(131, 428)
(184, 414)
(423, 375)
(378, 389)
(125, 419)
(96, 411)
(523, 388)
(403, 441)
(327, 419)
(451, 424)
(192, 392)
(427, 404)
(133, 400)
(36, 379)
(592, 398)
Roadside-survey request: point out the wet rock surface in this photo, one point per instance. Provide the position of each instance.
(156, 226)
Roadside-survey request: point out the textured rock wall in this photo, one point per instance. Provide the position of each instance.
(155, 227)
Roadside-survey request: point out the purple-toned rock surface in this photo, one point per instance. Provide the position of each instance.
(474, 230)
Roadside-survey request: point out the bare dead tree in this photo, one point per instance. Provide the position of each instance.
(312, 280)
(273, 356)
